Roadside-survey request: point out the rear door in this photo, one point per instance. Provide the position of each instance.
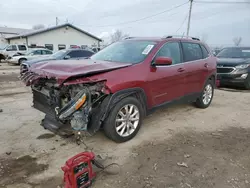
(195, 66)
(167, 82)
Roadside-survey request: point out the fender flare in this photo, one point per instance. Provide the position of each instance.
(104, 109)
(118, 96)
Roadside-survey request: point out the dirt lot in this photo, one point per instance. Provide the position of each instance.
(178, 147)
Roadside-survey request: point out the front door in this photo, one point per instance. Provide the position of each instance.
(167, 82)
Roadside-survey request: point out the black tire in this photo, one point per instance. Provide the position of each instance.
(110, 124)
(247, 83)
(21, 60)
(199, 102)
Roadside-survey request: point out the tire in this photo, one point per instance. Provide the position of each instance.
(247, 83)
(200, 103)
(111, 125)
(21, 60)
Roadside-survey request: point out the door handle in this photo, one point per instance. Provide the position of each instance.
(180, 69)
(206, 65)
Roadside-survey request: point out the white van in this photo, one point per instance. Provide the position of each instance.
(12, 49)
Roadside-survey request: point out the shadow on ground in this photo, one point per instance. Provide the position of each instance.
(190, 159)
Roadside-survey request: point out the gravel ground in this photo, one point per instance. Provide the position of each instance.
(178, 147)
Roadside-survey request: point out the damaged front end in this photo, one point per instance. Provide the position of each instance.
(69, 108)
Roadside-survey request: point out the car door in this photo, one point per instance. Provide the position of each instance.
(194, 65)
(167, 82)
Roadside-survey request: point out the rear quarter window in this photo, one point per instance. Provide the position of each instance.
(204, 51)
(192, 51)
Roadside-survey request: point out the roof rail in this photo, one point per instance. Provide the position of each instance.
(180, 36)
(128, 38)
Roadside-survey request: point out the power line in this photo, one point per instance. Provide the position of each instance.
(182, 23)
(223, 2)
(137, 20)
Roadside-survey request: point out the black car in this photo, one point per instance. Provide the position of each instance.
(60, 55)
(233, 67)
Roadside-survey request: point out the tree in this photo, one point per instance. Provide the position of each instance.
(118, 35)
(237, 41)
(38, 26)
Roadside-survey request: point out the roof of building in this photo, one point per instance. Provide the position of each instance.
(15, 31)
(53, 28)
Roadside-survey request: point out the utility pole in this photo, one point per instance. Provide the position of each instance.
(189, 16)
(56, 20)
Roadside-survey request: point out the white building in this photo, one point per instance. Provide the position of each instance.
(56, 38)
(6, 32)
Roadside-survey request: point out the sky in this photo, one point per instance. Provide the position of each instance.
(216, 24)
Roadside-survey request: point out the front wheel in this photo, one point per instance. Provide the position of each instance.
(124, 120)
(247, 83)
(20, 61)
(206, 96)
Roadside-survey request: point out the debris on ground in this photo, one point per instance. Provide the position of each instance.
(187, 156)
(8, 152)
(1, 110)
(182, 164)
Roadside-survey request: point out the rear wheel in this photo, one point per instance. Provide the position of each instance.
(124, 120)
(206, 96)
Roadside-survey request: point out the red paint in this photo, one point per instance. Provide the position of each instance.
(160, 83)
(76, 167)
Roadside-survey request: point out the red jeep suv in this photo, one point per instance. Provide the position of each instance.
(115, 88)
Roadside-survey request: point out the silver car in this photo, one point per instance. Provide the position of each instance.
(31, 54)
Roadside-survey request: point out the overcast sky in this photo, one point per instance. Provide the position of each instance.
(218, 24)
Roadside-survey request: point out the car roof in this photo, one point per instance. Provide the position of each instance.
(74, 49)
(160, 39)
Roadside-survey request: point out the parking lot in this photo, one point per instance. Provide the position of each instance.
(181, 146)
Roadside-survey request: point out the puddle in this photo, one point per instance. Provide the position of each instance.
(17, 170)
(45, 136)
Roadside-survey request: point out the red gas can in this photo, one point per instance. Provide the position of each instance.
(78, 171)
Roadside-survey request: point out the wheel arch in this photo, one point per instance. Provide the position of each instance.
(137, 92)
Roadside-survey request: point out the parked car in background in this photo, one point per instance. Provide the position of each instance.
(11, 50)
(31, 54)
(115, 88)
(59, 55)
(233, 67)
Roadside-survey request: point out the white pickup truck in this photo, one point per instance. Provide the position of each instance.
(12, 49)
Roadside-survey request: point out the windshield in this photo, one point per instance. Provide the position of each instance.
(3, 46)
(234, 53)
(125, 51)
(59, 53)
(29, 52)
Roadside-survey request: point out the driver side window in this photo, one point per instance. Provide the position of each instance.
(172, 50)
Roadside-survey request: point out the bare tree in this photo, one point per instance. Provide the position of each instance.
(237, 41)
(118, 35)
(38, 26)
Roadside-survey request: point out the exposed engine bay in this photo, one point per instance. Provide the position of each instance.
(70, 106)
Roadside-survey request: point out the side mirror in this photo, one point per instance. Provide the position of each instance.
(67, 57)
(163, 61)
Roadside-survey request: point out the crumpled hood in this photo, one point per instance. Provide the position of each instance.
(62, 70)
(232, 61)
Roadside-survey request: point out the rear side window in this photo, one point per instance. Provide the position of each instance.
(172, 50)
(191, 51)
(204, 51)
(80, 53)
(37, 52)
(22, 47)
